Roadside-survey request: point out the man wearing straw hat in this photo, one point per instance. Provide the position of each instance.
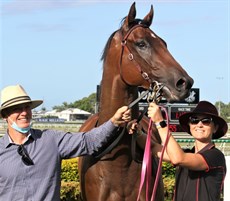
(30, 159)
(201, 170)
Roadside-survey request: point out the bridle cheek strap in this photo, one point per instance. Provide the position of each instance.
(131, 57)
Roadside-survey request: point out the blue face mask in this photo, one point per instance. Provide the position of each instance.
(19, 129)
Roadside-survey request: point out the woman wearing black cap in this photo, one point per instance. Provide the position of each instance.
(201, 170)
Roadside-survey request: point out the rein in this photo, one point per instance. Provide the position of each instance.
(156, 95)
(115, 142)
(146, 171)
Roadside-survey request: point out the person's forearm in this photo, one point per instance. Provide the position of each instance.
(174, 151)
(98, 137)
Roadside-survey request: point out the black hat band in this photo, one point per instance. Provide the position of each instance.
(14, 100)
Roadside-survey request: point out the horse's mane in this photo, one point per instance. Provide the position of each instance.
(107, 46)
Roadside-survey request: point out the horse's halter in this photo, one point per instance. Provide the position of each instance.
(155, 87)
(130, 55)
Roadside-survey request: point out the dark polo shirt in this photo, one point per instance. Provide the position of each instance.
(202, 185)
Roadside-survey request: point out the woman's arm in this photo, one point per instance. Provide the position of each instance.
(175, 153)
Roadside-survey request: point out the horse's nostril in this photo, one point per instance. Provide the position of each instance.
(181, 84)
(184, 83)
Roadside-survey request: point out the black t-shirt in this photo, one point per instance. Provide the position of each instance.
(202, 185)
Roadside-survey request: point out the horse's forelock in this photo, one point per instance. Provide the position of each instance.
(133, 23)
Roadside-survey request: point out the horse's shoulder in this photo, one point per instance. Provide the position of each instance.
(90, 123)
(145, 122)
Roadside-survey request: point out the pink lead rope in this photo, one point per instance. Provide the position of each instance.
(147, 163)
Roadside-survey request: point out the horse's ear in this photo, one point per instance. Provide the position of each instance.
(149, 17)
(130, 17)
(132, 14)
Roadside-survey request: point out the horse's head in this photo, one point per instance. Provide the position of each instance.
(144, 58)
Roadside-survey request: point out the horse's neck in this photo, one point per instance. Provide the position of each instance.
(114, 91)
(114, 94)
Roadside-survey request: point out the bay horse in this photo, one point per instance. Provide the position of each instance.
(133, 56)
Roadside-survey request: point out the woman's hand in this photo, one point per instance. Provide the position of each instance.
(154, 112)
(132, 126)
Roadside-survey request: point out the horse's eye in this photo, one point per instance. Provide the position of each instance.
(141, 44)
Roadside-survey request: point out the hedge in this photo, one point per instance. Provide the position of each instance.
(70, 184)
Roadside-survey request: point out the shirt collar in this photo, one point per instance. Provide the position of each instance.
(207, 147)
(8, 141)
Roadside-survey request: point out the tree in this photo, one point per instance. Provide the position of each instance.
(86, 103)
(64, 106)
(224, 110)
(43, 109)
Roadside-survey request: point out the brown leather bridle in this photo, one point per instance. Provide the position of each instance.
(130, 55)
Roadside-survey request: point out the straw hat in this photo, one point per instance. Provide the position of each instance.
(15, 95)
(205, 108)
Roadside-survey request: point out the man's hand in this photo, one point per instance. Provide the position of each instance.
(122, 116)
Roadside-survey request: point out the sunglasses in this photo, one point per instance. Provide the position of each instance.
(205, 121)
(25, 156)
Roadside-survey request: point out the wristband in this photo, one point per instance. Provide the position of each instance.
(161, 124)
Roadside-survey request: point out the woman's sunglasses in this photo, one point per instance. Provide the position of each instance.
(25, 156)
(205, 121)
